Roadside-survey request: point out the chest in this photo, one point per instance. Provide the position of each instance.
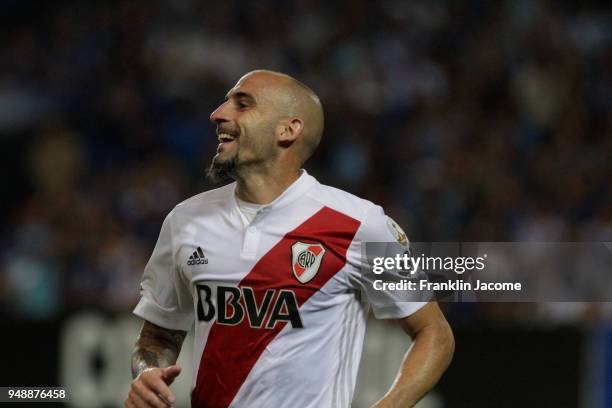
(273, 253)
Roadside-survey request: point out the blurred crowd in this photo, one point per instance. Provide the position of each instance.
(467, 120)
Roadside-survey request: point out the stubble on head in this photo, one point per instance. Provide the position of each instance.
(279, 96)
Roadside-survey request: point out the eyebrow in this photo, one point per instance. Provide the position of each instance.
(240, 95)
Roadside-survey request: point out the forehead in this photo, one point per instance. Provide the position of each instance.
(257, 85)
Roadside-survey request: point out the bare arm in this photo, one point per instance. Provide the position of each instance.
(154, 366)
(156, 347)
(427, 359)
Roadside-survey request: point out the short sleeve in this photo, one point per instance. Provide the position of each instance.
(165, 297)
(380, 236)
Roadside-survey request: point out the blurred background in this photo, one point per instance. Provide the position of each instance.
(466, 120)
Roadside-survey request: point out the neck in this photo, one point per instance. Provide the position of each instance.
(264, 187)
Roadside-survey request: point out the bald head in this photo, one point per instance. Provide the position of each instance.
(292, 98)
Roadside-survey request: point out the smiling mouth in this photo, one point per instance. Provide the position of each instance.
(225, 138)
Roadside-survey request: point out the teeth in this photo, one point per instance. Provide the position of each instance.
(224, 137)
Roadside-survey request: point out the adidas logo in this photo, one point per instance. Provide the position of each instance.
(197, 258)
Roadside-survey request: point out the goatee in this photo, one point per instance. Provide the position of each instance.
(220, 171)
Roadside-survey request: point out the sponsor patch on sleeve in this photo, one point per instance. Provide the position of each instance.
(397, 232)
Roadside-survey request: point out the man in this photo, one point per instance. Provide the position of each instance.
(270, 268)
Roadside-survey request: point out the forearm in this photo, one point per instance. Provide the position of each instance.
(156, 347)
(423, 365)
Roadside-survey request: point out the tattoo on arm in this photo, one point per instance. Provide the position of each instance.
(156, 347)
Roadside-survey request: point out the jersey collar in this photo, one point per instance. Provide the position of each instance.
(292, 193)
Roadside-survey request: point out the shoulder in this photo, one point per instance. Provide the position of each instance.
(376, 226)
(342, 201)
(203, 203)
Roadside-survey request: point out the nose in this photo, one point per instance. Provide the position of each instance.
(220, 114)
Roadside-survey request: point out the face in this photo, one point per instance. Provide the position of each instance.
(246, 123)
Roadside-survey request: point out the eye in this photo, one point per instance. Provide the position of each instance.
(241, 105)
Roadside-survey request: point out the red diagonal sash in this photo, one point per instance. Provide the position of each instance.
(232, 351)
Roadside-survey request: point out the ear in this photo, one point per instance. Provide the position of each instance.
(289, 130)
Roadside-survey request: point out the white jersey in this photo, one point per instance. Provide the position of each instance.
(278, 304)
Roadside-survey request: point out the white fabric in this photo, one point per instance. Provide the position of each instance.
(313, 366)
(248, 210)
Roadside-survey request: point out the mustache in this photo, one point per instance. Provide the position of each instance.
(230, 130)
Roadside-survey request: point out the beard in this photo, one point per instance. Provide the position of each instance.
(220, 171)
(256, 152)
